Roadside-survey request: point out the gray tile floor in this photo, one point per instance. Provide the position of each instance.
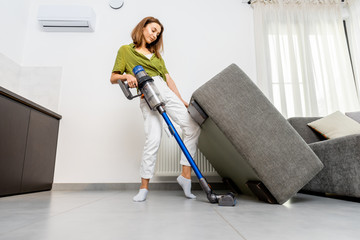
(103, 215)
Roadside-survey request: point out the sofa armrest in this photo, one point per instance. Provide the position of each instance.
(300, 125)
(344, 145)
(341, 159)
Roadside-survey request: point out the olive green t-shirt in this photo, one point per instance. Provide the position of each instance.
(127, 58)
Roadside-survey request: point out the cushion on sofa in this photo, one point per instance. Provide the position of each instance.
(335, 125)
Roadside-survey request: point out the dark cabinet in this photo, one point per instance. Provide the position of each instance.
(28, 140)
(14, 119)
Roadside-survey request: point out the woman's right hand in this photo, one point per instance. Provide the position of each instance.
(131, 81)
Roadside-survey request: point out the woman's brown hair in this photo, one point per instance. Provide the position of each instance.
(137, 36)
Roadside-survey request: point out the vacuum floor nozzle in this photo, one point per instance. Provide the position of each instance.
(223, 200)
(227, 200)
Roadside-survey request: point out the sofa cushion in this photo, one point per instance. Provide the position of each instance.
(335, 125)
(341, 172)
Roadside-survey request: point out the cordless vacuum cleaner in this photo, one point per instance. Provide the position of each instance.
(154, 100)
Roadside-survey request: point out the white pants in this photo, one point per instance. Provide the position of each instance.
(153, 123)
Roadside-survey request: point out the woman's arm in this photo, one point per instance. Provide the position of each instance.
(131, 80)
(171, 84)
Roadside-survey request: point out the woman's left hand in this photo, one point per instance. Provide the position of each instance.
(186, 104)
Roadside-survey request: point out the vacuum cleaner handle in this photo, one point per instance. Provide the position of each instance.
(125, 88)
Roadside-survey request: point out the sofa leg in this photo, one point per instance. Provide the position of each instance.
(229, 182)
(261, 192)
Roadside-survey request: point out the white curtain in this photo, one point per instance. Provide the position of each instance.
(302, 59)
(353, 30)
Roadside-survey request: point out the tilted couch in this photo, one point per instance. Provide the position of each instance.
(248, 141)
(340, 156)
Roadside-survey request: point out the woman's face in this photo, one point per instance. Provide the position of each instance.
(151, 32)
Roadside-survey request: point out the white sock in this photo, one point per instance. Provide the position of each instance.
(186, 185)
(141, 196)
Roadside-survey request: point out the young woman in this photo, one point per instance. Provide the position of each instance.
(145, 51)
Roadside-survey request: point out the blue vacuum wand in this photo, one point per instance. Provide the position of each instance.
(154, 100)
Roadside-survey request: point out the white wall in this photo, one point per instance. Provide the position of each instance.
(40, 84)
(101, 133)
(9, 73)
(13, 16)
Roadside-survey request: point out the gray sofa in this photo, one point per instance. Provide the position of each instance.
(248, 141)
(340, 156)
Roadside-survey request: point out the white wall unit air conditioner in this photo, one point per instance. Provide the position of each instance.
(66, 18)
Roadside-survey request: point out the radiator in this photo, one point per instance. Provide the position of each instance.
(168, 158)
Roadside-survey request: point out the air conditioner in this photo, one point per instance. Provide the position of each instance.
(66, 18)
